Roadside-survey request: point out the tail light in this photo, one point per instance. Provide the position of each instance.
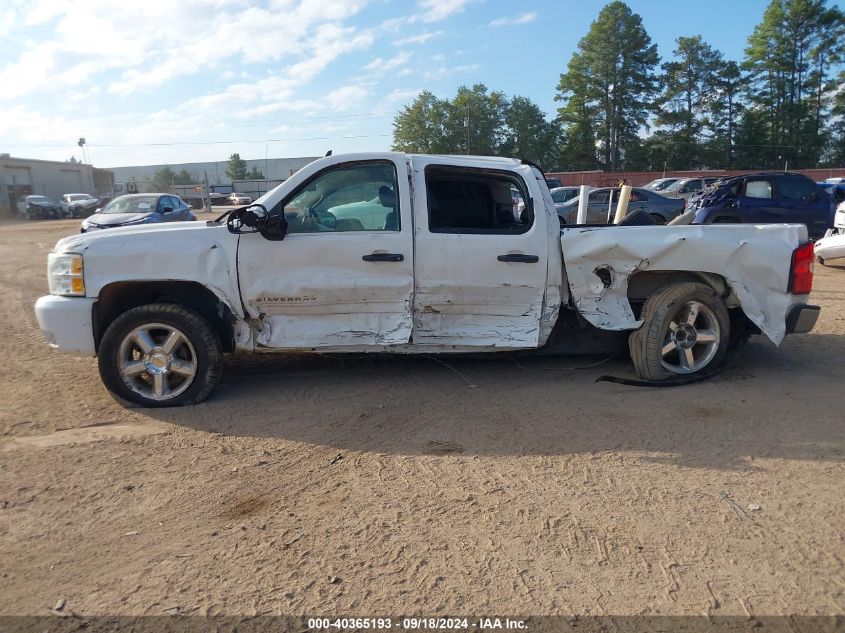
(801, 273)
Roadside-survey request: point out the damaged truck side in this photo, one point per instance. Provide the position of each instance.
(388, 252)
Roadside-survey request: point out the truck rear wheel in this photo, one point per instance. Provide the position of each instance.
(160, 355)
(685, 330)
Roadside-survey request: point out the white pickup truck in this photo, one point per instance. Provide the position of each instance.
(388, 252)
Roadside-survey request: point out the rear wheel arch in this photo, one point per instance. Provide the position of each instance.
(644, 284)
(119, 297)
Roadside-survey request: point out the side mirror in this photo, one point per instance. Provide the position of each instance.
(256, 219)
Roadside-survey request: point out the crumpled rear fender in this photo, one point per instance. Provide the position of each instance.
(754, 260)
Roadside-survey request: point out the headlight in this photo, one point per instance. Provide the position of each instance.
(65, 274)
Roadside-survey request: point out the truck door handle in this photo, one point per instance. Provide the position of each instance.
(384, 257)
(520, 259)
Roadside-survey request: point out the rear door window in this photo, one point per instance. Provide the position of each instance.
(758, 189)
(598, 197)
(476, 201)
(797, 189)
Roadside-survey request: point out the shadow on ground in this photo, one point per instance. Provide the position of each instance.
(770, 403)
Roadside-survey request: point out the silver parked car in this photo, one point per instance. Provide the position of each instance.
(602, 206)
(686, 187)
(659, 184)
(77, 205)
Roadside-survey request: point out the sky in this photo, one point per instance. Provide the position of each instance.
(174, 81)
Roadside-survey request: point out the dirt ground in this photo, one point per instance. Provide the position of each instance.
(391, 486)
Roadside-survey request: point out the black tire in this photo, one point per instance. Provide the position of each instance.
(662, 309)
(201, 348)
(658, 219)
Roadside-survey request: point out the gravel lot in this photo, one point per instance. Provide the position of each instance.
(390, 486)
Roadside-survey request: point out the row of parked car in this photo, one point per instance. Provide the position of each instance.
(71, 205)
(757, 198)
(83, 205)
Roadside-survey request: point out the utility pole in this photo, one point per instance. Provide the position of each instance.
(207, 201)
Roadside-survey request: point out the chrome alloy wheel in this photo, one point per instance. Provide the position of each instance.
(692, 339)
(157, 361)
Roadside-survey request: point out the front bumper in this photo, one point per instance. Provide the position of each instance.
(801, 318)
(67, 323)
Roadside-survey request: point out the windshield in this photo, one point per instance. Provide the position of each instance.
(664, 184)
(132, 204)
(78, 196)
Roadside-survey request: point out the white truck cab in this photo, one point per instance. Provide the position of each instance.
(388, 252)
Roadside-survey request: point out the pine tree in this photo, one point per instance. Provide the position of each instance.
(236, 168)
(613, 76)
(690, 81)
(789, 57)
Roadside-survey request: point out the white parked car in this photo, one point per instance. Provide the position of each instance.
(238, 198)
(78, 205)
(449, 269)
(832, 246)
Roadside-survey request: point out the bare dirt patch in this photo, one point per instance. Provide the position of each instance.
(388, 485)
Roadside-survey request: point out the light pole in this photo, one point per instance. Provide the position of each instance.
(81, 144)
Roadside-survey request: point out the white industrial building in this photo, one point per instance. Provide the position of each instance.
(25, 176)
(277, 169)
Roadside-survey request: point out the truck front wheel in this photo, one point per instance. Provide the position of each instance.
(160, 355)
(685, 330)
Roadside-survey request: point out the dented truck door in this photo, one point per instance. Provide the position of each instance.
(481, 258)
(343, 275)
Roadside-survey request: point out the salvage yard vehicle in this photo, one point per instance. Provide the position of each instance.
(447, 269)
(761, 198)
(77, 205)
(38, 208)
(138, 208)
(659, 184)
(601, 205)
(832, 246)
(685, 188)
(561, 195)
(238, 198)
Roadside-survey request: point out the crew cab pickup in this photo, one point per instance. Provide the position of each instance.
(388, 252)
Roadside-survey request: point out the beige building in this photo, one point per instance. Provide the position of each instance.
(25, 176)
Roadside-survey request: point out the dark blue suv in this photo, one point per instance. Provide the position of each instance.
(764, 198)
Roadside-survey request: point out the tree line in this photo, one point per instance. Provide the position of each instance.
(236, 169)
(621, 108)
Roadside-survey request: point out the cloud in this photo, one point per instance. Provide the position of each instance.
(139, 47)
(422, 38)
(403, 95)
(383, 65)
(444, 71)
(522, 18)
(436, 10)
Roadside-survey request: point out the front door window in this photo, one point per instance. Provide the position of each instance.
(352, 197)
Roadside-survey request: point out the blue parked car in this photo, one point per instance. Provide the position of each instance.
(764, 198)
(139, 208)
